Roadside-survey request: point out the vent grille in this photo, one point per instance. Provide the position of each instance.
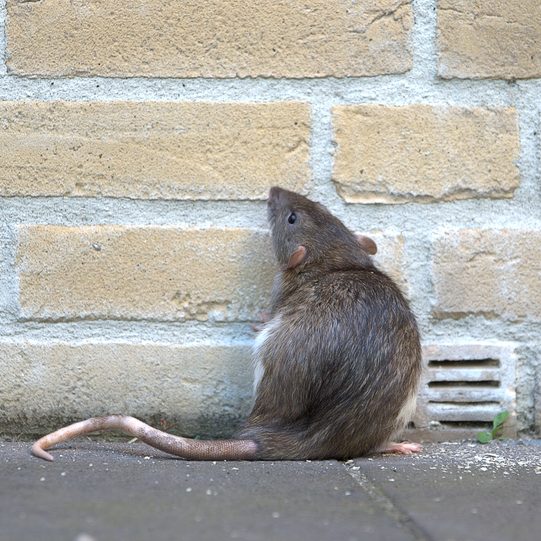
(463, 388)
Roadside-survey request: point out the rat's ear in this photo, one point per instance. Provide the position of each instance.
(296, 258)
(367, 244)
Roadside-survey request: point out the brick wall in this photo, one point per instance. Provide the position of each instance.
(138, 140)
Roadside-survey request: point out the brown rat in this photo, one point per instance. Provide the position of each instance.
(336, 367)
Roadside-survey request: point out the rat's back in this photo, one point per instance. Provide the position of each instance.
(341, 367)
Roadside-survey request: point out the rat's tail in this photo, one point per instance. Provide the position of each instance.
(182, 447)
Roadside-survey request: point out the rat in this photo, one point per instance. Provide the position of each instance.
(337, 365)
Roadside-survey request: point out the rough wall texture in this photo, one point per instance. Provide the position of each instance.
(138, 140)
(212, 38)
(150, 150)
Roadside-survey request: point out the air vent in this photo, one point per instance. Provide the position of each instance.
(462, 389)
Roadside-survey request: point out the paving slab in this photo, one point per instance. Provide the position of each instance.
(464, 491)
(107, 491)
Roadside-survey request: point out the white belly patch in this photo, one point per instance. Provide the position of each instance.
(260, 340)
(406, 413)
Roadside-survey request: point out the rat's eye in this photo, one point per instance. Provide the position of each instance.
(292, 218)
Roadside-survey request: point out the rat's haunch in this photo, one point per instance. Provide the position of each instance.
(337, 364)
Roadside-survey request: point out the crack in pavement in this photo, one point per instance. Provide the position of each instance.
(379, 497)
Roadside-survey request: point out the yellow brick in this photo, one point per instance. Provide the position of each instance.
(143, 273)
(489, 39)
(152, 150)
(424, 153)
(488, 272)
(208, 38)
(201, 387)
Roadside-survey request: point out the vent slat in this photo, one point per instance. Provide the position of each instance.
(465, 412)
(467, 394)
(463, 374)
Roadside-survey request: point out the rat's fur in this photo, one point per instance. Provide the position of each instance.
(337, 365)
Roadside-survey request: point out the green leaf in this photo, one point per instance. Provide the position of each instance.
(484, 437)
(500, 419)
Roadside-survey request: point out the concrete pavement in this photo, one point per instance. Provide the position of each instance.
(102, 491)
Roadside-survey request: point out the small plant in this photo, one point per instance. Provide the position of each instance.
(497, 426)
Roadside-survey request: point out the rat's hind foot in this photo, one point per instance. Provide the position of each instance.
(404, 448)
